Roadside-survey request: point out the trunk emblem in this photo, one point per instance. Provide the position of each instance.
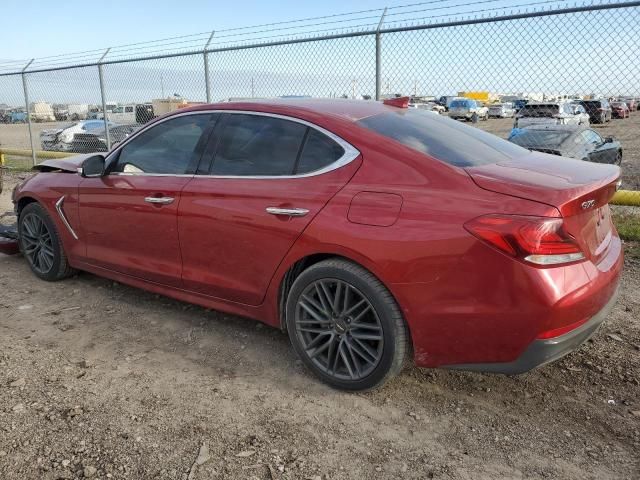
(588, 204)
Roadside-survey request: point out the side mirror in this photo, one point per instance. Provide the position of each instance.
(93, 167)
(608, 139)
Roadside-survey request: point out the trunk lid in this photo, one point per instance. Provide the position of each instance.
(579, 190)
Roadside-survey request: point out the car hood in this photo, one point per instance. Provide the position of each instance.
(50, 132)
(67, 164)
(557, 181)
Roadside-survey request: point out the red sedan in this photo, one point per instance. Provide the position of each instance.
(369, 232)
(620, 110)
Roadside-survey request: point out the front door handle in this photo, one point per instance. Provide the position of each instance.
(159, 200)
(288, 212)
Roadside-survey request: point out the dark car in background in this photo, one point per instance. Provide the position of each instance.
(96, 140)
(144, 113)
(599, 110)
(519, 104)
(571, 141)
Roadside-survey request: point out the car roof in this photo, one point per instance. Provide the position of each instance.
(344, 109)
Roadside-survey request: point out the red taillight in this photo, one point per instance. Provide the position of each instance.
(537, 240)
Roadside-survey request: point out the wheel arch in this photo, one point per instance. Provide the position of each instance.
(306, 261)
(23, 202)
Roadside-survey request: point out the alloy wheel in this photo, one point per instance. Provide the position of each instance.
(339, 329)
(37, 243)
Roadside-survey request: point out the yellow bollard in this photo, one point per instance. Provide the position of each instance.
(626, 197)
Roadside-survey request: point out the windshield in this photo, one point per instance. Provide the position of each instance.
(442, 138)
(539, 110)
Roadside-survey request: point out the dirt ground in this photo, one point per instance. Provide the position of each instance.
(99, 380)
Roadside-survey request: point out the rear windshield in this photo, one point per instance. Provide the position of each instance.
(534, 138)
(539, 110)
(462, 104)
(442, 138)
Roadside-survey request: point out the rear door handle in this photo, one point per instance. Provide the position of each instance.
(288, 212)
(159, 200)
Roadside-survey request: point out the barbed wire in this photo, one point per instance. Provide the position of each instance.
(297, 28)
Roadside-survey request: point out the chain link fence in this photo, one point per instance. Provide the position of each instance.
(530, 77)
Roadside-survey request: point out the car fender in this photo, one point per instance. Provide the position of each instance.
(48, 189)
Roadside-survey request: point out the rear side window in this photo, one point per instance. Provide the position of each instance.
(255, 145)
(442, 138)
(318, 152)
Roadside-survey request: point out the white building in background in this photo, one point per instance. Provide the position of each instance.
(42, 112)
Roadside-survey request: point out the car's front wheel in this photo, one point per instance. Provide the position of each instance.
(41, 245)
(346, 326)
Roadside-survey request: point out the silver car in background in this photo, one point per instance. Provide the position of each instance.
(502, 110)
(551, 113)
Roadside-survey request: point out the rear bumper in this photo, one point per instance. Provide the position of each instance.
(541, 352)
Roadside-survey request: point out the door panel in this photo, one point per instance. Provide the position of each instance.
(129, 216)
(231, 246)
(127, 234)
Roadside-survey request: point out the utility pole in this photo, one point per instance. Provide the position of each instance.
(103, 98)
(207, 78)
(379, 54)
(26, 103)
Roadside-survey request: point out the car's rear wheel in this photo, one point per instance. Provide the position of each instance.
(619, 158)
(41, 244)
(346, 326)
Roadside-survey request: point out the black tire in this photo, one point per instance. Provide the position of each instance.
(619, 158)
(389, 345)
(58, 268)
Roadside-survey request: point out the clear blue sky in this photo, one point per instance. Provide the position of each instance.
(36, 28)
(583, 53)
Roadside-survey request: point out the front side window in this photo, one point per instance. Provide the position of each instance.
(591, 137)
(166, 148)
(257, 145)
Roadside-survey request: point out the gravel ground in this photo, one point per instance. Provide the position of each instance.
(99, 380)
(17, 136)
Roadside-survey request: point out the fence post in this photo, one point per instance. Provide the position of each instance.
(104, 101)
(205, 55)
(379, 55)
(26, 103)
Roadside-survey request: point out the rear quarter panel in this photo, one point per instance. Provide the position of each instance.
(420, 257)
